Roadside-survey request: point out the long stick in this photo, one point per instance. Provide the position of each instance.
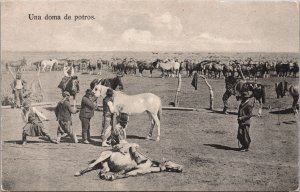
(211, 93)
(12, 74)
(176, 102)
(39, 80)
(240, 72)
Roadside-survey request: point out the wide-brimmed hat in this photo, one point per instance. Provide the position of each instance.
(119, 74)
(89, 92)
(26, 104)
(109, 92)
(65, 93)
(123, 118)
(246, 94)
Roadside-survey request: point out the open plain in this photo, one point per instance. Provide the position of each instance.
(204, 141)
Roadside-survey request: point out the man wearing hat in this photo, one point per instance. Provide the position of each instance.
(63, 112)
(88, 106)
(119, 74)
(18, 87)
(118, 131)
(244, 116)
(108, 112)
(34, 126)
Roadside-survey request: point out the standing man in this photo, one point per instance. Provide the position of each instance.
(230, 85)
(244, 116)
(63, 113)
(18, 87)
(34, 126)
(88, 106)
(108, 112)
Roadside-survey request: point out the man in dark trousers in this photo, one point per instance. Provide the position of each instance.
(88, 106)
(244, 116)
(108, 112)
(63, 113)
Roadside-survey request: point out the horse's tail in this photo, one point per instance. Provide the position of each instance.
(263, 94)
(159, 113)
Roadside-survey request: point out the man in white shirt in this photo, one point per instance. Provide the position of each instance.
(18, 88)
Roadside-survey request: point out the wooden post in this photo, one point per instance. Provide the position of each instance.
(176, 102)
(12, 74)
(211, 93)
(40, 84)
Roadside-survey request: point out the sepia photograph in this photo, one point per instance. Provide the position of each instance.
(149, 95)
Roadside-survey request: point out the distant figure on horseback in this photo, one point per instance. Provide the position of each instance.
(68, 72)
(69, 82)
(235, 86)
(230, 84)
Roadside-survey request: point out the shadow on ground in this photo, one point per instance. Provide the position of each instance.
(283, 111)
(217, 146)
(221, 112)
(135, 137)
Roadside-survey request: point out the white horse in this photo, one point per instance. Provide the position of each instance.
(171, 66)
(115, 164)
(136, 104)
(48, 63)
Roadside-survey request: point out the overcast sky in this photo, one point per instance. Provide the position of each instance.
(156, 25)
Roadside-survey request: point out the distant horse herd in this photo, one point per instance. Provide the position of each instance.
(170, 67)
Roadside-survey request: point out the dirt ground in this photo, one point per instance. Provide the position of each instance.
(203, 142)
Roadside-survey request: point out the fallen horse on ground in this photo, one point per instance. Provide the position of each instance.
(123, 161)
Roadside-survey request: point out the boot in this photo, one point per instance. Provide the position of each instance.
(75, 138)
(225, 111)
(51, 140)
(104, 144)
(24, 142)
(58, 139)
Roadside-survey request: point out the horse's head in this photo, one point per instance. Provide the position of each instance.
(100, 90)
(74, 85)
(155, 64)
(119, 82)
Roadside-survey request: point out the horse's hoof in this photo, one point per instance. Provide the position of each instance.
(77, 174)
(148, 138)
(157, 139)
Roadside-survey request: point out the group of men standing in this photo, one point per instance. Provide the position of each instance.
(64, 111)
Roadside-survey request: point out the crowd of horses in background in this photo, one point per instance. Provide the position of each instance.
(170, 67)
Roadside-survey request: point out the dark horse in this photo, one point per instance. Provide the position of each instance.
(112, 83)
(236, 87)
(146, 65)
(70, 84)
(282, 87)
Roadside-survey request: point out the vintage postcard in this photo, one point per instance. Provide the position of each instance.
(140, 95)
